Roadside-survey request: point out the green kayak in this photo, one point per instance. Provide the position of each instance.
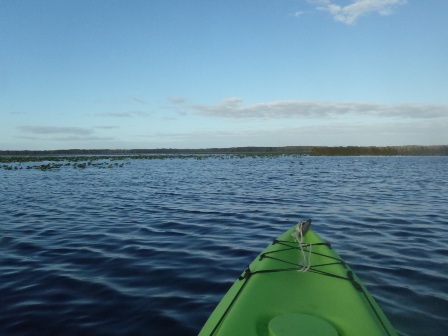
(298, 286)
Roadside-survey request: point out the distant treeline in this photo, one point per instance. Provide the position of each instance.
(296, 150)
(379, 151)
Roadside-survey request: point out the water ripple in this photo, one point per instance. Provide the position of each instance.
(151, 248)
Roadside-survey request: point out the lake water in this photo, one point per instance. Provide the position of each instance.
(149, 247)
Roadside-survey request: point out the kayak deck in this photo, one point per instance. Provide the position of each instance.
(273, 289)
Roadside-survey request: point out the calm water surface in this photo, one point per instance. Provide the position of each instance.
(151, 247)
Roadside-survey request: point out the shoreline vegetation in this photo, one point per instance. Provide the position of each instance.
(441, 150)
(116, 158)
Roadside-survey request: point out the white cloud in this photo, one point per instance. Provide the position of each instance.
(59, 133)
(55, 130)
(234, 108)
(177, 100)
(348, 14)
(106, 127)
(136, 100)
(125, 114)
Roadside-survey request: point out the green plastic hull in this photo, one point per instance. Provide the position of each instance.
(273, 286)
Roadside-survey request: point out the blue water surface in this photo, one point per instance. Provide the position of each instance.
(149, 247)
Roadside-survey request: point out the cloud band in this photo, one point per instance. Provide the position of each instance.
(234, 108)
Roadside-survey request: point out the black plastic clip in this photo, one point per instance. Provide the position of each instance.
(246, 275)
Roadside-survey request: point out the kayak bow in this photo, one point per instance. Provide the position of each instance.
(298, 286)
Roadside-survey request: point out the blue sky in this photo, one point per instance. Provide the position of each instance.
(197, 74)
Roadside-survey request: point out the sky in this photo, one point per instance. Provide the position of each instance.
(118, 74)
